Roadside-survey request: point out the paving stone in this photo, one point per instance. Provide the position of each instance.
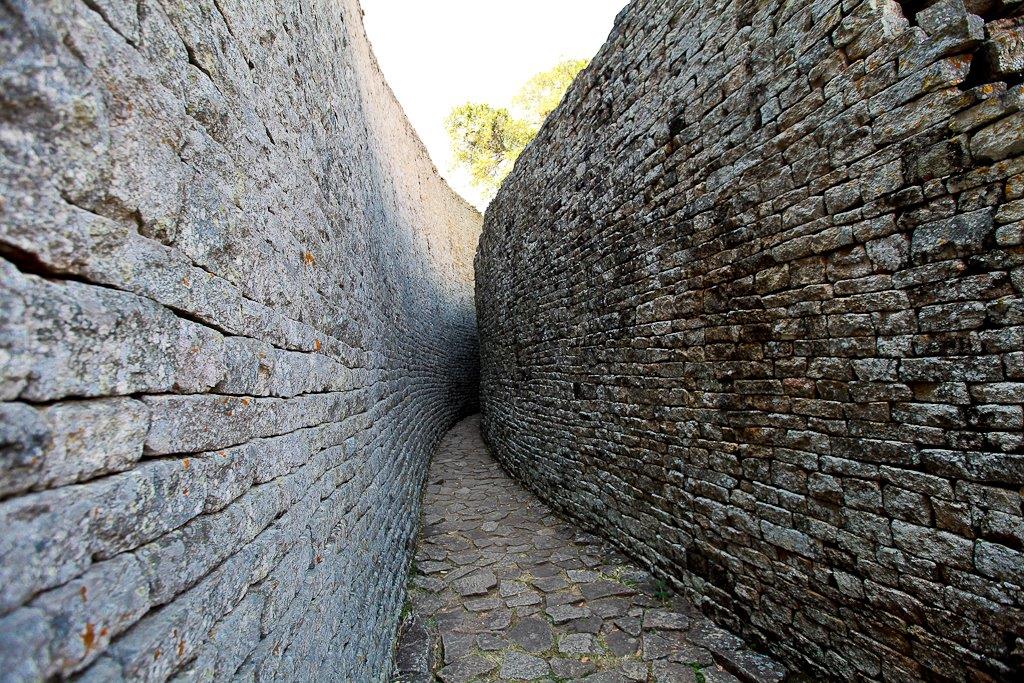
(465, 669)
(716, 674)
(549, 584)
(561, 614)
(509, 588)
(621, 644)
(464, 559)
(503, 605)
(533, 635)
(522, 599)
(576, 644)
(714, 638)
(517, 666)
(603, 589)
(490, 643)
(582, 575)
(428, 583)
(669, 621)
(455, 646)
(458, 620)
(634, 576)
(562, 598)
(607, 608)
(669, 672)
(572, 669)
(499, 620)
(631, 625)
(687, 653)
(606, 677)
(482, 605)
(753, 666)
(475, 584)
(414, 652)
(425, 603)
(543, 569)
(634, 670)
(591, 624)
(659, 644)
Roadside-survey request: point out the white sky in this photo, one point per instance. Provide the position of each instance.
(437, 54)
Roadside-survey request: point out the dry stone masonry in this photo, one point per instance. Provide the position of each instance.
(235, 319)
(751, 307)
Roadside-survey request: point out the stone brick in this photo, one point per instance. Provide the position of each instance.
(72, 441)
(74, 339)
(1005, 45)
(999, 140)
(999, 562)
(959, 236)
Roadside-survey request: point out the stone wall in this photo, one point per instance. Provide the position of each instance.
(235, 318)
(751, 306)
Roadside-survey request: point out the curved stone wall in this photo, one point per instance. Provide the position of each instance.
(235, 318)
(751, 306)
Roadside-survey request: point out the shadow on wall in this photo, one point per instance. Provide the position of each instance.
(441, 275)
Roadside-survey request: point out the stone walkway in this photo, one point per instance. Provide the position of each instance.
(503, 589)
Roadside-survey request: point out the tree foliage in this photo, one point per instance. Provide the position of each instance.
(487, 140)
(542, 93)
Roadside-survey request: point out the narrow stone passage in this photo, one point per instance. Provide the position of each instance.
(503, 589)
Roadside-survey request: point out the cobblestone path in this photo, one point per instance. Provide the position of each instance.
(503, 589)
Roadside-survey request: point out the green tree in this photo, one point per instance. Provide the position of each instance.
(487, 140)
(542, 93)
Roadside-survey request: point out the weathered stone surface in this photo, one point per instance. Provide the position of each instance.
(69, 442)
(670, 672)
(669, 621)
(561, 614)
(570, 668)
(478, 583)
(1005, 45)
(517, 666)
(67, 339)
(576, 644)
(532, 634)
(235, 319)
(999, 140)
(464, 670)
(750, 307)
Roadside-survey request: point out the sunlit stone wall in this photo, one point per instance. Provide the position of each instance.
(751, 306)
(235, 317)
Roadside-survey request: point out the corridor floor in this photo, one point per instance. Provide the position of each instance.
(504, 589)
